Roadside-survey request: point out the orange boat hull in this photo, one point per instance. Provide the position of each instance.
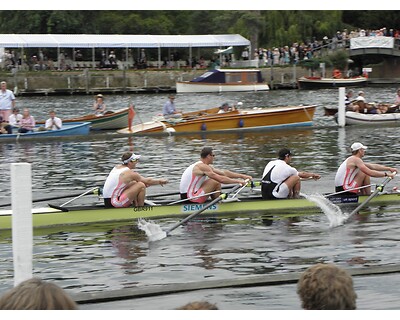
(234, 120)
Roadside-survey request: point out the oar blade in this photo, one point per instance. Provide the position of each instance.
(375, 193)
(58, 207)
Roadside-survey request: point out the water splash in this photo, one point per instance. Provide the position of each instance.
(153, 230)
(334, 214)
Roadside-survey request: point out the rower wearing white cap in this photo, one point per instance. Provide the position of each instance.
(354, 174)
(124, 186)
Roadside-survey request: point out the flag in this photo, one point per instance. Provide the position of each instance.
(131, 115)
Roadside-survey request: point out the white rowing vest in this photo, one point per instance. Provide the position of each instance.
(345, 177)
(112, 181)
(190, 183)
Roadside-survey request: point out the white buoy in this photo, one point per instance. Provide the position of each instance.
(22, 230)
(342, 107)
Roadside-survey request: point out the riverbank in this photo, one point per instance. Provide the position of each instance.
(88, 82)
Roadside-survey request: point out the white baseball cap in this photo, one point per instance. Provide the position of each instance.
(133, 158)
(357, 146)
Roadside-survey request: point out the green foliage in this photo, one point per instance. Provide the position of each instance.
(265, 28)
(339, 59)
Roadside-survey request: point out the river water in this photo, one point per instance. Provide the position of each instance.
(118, 256)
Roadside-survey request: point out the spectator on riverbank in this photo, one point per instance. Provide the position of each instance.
(326, 287)
(37, 294)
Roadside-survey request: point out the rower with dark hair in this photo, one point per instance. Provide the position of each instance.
(201, 180)
(280, 180)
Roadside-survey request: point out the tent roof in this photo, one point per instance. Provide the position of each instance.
(119, 41)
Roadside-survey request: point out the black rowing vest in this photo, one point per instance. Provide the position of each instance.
(267, 186)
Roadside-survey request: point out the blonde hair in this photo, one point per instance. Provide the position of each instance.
(37, 294)
(198, 305)
(326, 287)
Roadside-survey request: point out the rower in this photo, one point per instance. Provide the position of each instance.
(354, 175)
(280, 180)
(201, 180)
(124, 186)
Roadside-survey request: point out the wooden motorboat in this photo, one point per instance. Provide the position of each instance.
(236, 120)
(320, 83)
(224, 80)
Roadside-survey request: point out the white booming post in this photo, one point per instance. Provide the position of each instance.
(342, 108)
(22, 230)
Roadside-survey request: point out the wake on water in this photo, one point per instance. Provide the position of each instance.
(334, 214)
(153, 230)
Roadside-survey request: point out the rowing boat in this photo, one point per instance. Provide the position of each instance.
(53, 217)
(356, 118)
(320, 83)
(68, 130)
(235, 120)
(111, 120)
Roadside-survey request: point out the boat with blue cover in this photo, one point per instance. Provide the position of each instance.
(224, 80)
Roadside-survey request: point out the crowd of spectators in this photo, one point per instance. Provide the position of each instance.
(314, 48)
(289, 54)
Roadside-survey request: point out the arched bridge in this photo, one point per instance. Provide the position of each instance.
(374, 45)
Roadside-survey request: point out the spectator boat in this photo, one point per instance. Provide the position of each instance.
(321, 83)
(356, 118)
(111, 120)
(210, 120)
(224, 80)
(68, 129)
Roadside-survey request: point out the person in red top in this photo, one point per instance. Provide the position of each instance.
(337, 74)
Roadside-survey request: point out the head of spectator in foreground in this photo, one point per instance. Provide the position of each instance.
(326, 287)
(198, 305)
(36, 294)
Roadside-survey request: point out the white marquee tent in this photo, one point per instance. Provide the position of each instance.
(121, 41)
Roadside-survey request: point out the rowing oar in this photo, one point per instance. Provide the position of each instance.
(250, 184)
(50, 198)
(349, 190)
(379, 188)
(216, 200)
(61, 207)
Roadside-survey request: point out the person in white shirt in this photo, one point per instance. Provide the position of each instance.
(280, 180)
(53, 123)
(7, 101)
(201, 180)
(15, 118)
(124, 186)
